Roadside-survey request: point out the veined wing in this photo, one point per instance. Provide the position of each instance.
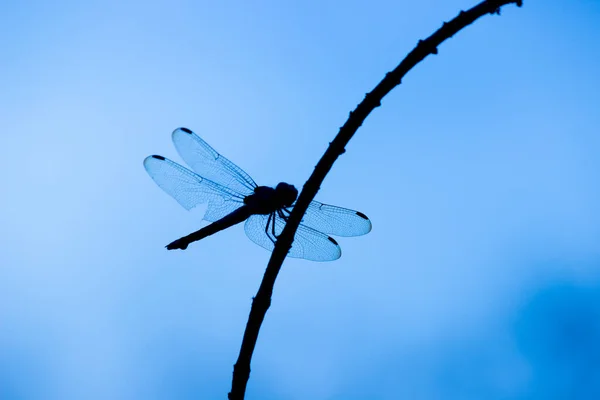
(190, 189)
(335, 220)
(308, 243)
(208, 163)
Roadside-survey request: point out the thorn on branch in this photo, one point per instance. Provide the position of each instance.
(519, 3)
(390, 75)
(496, 11)
(422, 43)
(369, 97)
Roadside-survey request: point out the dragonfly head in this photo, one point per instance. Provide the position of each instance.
(287, 193)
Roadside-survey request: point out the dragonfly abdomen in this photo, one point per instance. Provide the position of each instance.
(234, 218)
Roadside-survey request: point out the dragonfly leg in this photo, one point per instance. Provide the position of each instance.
(288, 212)
(285, 217)
(282, 215)
(269, 220)
(273, 227)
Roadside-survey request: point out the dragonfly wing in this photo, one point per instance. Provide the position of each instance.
(208, 163)
(255, 227)
(190, 189)
(335, 220)
(308, 243)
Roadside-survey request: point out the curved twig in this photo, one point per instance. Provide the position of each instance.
(372, 100)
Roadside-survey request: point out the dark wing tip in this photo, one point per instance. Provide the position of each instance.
(186, 130)
(361, 215)
(332, 240)
(158, 157)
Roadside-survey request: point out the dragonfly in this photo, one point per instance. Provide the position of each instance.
(233, 197)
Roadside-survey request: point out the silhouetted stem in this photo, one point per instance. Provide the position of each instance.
(372, 100)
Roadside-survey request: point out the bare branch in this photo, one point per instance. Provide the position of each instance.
(372, 100)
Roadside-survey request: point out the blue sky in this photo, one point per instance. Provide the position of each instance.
(479, 280)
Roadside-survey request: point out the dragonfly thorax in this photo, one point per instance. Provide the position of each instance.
(266, 200)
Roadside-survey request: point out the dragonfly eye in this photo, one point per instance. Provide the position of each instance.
(287, 193)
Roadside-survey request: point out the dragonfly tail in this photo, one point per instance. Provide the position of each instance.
(234, 218)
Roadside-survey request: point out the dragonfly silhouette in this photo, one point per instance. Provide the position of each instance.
(233, 197)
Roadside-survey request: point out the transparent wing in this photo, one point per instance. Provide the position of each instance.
(190, 189)
(308, 243)
(208, 163)
(335, 220)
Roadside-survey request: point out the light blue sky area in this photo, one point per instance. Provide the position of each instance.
(481, 276)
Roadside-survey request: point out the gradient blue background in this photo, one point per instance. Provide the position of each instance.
(480, 279)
